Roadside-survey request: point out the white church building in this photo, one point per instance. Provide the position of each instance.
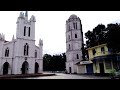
(21, 55)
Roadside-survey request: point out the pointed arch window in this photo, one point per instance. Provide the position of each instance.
(29, 32)
(7, 52)
(69, 46)
(35, 53)
(75, 25)
(69, 28)
(75, 35)
(26, 49)
(24, 30)
(69, 37)
(77, 56)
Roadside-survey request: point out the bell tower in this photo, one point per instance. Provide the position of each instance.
(25, 27)
(25, 35)
(74, 43)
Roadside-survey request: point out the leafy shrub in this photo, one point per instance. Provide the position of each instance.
(113, 72)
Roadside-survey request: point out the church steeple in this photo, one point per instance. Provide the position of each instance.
(26, 14)
(13, 37)
(25, 26)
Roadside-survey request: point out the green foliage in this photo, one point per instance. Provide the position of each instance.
(96, 37)
(54, 63)
(101, 35)
(118, 74)
(113, 37)
(113, 72)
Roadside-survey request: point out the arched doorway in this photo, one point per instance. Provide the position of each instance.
(25, 67)
(5, 68)
(36, 67)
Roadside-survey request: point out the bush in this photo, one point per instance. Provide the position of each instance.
(113, 72)
(118, 73)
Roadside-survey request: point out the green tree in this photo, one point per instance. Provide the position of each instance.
(54, 63)
(113, 37)
(97, 36)
(46, 61)
(101, 34)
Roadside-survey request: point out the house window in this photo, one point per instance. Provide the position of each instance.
(7, 52)
(29, 32)
(26, 49)
(93, 51)
(75, 35)
(35, 53)
(77, 56)
(74, 25)
(108, 64)
(103, 50)
(115, 65)
(24, 30)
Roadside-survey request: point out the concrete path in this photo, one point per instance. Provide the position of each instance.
(69, 76)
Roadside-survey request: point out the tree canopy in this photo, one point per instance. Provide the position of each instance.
(96, 37)
(101, 35)
(54, 62)
(113, 37)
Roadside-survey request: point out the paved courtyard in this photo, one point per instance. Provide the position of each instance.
(69, 76)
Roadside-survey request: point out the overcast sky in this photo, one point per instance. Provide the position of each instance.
(50, 25)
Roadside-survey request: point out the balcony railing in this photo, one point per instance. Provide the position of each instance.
(107, 57)
(100, 54)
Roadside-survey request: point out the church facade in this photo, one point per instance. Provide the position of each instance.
(74, 43)
(21, 55)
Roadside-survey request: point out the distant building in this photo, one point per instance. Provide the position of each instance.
(85, 67)
(21, 55)
(74, 43)
(101, 60)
